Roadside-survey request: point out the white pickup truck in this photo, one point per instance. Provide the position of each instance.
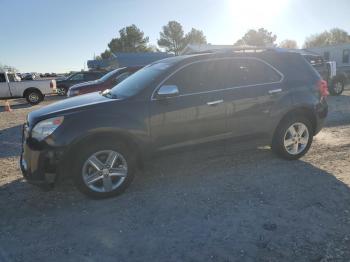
(34, 91)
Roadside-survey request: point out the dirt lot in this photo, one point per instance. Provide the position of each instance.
(217, 203)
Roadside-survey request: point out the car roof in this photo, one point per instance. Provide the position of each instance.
(178, 60)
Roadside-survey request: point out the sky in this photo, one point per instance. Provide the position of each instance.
(61, 35)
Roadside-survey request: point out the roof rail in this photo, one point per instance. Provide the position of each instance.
(240, 49)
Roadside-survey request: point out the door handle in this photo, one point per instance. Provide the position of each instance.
(214, 103)
(274, 91)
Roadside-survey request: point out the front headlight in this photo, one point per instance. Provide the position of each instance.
(46, 127)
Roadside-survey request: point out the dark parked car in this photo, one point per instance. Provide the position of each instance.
(64, 84)
(106, 82)
(100, 139)
(29, 76)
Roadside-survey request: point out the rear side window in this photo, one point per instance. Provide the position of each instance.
(260, 73)
(2, 78)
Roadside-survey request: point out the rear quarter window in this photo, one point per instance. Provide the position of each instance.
(294, 67)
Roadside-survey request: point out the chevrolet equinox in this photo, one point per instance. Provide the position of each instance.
(100, 139)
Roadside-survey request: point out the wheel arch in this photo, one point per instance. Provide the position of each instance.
(28, 89)
(303, 111)
(128, 139)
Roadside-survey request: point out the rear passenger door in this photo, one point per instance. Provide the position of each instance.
(257, 86)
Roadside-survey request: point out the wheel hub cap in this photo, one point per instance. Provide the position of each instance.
(296, 138)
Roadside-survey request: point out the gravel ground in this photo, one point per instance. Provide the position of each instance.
(215, 203)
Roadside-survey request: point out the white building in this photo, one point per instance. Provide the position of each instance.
(339, 53)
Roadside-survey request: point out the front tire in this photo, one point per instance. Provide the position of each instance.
(62, 91)
(34, 97)
(293, 138)
(104, 169)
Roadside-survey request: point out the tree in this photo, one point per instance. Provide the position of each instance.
(106, 54)
(332, 37)
(262, 37)
(172, 37)
(131, 39)
(195, 37)
(8, 68)
(288, 43)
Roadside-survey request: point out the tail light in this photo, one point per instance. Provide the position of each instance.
(323, 88)
(51, 84)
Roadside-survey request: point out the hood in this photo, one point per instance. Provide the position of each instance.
(89, 83)
(67, 106)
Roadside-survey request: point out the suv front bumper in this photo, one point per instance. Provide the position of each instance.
(38, 161)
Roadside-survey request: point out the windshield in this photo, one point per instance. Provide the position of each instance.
(140, 80)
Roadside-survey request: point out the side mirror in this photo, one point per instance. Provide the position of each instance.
(168, 91)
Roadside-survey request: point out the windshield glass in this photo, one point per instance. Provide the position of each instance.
(140, 80)
(108, 75)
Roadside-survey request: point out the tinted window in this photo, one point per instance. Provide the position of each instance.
(110, 74)
(2, 78)
(257, 72)
(89, 77)
(77, 77)
(221, 74)
(202, 76)
(141, 79)
(121, 77)
(11, 77)
(346, 55)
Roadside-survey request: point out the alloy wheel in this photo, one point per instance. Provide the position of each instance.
(33, 97)
(296, 138)
(105, 171)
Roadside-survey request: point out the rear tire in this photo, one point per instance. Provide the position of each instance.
(34, 97)
(293, 138)
(92, 179)
(337, 88)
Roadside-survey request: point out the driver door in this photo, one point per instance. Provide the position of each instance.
(197, 114)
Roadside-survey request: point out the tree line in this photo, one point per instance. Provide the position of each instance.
(173, 39)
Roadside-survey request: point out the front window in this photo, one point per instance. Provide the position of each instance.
(140, 80)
